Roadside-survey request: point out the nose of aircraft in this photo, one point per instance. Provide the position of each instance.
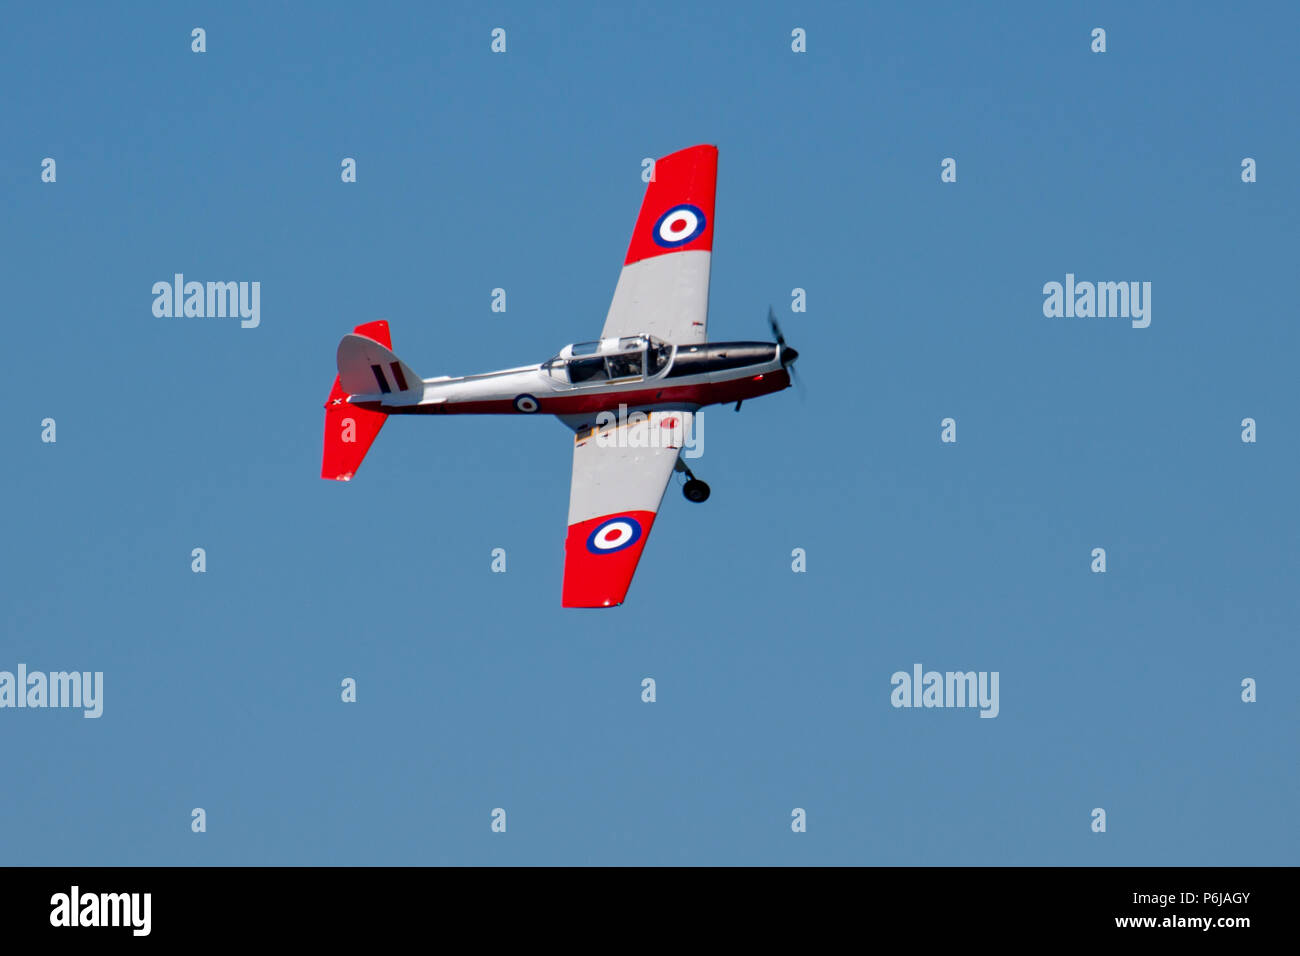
(788, 355)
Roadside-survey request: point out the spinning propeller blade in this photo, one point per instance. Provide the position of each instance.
(788, 355)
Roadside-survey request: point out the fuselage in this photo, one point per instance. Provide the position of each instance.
(639, 372)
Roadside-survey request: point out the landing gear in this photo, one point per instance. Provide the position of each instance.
(694, 489)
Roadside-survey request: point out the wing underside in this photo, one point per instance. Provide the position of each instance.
(663, 289)
(619, 476)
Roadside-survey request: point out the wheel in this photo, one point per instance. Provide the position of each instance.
(696, 490)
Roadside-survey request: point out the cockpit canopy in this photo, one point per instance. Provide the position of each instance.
(610, 360)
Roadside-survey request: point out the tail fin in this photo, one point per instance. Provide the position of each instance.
(369, 367)
(349, 430)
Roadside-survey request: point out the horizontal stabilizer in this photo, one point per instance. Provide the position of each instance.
(350, 430)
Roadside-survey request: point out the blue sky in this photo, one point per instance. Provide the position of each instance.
(522, 171)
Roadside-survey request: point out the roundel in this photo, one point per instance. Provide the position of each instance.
(679, 225)
(526, 404)
(614, 535)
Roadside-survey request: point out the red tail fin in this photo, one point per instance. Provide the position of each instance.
(349, 430)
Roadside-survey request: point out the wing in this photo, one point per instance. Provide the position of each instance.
(619, 476)
(664, 286)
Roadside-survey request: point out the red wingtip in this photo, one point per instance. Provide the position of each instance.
(601, 555)
(677, 212)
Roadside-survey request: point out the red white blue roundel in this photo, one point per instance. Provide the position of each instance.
(614, 535)
(679, 226)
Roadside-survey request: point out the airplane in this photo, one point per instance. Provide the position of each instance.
(653, 358)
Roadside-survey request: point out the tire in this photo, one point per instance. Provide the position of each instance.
(696, 491)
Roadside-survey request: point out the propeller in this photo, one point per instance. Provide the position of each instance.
(788, 355)
(776, 326)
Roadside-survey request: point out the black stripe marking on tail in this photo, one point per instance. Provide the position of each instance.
(379, 377)
(397, 374)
